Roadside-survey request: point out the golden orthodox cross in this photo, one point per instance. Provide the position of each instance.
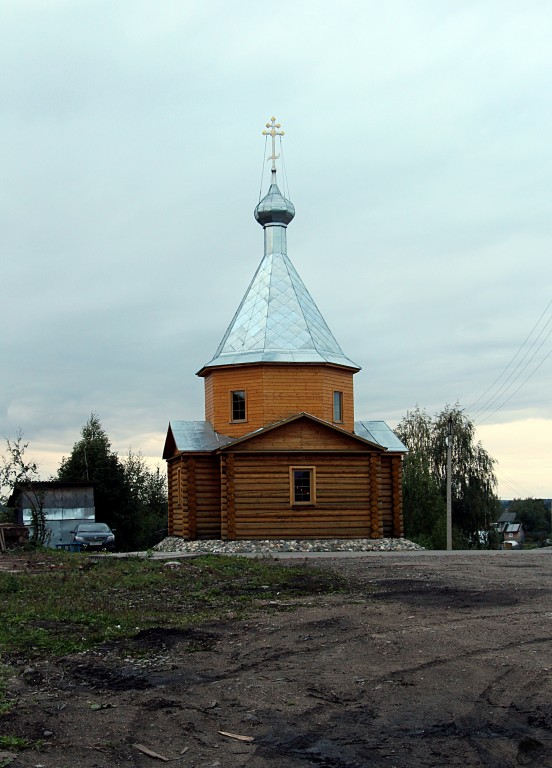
(274, 131)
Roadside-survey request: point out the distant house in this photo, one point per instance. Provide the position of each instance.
(510, 530)
(505, 519)
(64, 504)
(514, 532)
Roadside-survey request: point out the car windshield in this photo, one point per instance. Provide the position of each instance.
(93, 528)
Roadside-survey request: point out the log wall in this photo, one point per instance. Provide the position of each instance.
(194, 497)
(391, 495)
(244, 492)
(398, 520)
(257, 490)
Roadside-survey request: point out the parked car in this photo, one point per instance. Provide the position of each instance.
(94, 536)
(511, 544)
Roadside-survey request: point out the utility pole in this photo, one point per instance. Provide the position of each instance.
(449, 484)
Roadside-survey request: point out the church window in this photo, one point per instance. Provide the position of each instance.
(302, 485)
(237, 405)
(338, 406)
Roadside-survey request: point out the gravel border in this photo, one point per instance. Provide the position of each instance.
(273, 546)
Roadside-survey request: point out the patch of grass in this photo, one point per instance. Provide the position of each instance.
(9, 584)
(69, 603)
(6, 705)
(14, 743)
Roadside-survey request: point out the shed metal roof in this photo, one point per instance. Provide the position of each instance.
(507, 517)
(196, 436)
(512, 528)
(378, 432)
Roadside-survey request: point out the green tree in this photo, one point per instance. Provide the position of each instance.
(474, 503)
(424, 507)
(17, 472)
(149, 494)
(128, 496)
(534, 514)
(92, 459)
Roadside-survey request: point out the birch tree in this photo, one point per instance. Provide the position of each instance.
(474, 503)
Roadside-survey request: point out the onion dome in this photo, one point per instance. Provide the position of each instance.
(274, 208)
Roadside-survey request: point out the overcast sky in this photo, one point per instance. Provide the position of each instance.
(419, 160)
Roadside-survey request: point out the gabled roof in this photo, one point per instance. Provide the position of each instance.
(296, 417)
(199, 436)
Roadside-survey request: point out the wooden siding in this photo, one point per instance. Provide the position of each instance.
(260, 497)
(376, 522)
(243, 491)
(275, 392)
(194, 497)
(398, 522)
(391, 495)
(246, 495)
(302, 434)
(55, 495)
(209, 399)
(176, 480)
(386, 498)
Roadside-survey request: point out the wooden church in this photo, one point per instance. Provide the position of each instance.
(279, 454)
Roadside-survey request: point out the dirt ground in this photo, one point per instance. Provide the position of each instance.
(429, 661)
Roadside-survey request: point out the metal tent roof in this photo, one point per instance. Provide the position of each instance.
(277, 320)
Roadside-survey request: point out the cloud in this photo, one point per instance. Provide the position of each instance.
(418, 154)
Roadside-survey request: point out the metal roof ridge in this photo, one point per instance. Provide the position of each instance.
(287, 261)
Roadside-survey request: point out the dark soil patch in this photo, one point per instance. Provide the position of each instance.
(433, 596)
(165, 638)
(106, 678)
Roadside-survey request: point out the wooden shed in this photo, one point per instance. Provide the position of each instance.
(279, 453)
(63, 503)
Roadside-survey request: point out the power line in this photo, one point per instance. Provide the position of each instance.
(513, 358)
(517, 390)
(515, 374)
(516, 487)
(518, 370)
